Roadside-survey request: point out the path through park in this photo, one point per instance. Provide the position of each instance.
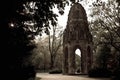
(46, 76)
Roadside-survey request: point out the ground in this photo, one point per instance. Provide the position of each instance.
(46, 76)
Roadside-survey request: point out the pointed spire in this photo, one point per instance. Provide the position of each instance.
(76, 1)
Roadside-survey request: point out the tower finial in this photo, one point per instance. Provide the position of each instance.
(76, 1)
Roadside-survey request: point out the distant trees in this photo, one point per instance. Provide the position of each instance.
(105, 26)
(16, 48)
(103, 54)
(41, 56)
(49, 50)
(105, 23)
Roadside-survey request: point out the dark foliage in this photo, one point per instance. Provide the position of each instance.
(16, 47)
(15, 44)
(116, 74)
(15, 41)
(12, 11)
(99, 72)
(22, 73)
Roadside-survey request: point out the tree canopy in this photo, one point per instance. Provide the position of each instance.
(20, 21)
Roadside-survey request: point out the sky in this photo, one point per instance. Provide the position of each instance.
(78, 52)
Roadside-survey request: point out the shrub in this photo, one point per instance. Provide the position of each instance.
(99, 72)
(28, 72)
(55, 71)
(116, 74)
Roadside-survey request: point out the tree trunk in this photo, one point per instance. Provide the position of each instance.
(52, 63)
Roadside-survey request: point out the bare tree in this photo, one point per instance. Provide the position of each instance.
(105, 27)
(55, 42)
(105, 24)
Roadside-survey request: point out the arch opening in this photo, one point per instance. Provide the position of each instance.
(77, 61)
(78, 52)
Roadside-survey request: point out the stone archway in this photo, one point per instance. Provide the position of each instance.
(77, 35)
(80, 64)
(78, 61)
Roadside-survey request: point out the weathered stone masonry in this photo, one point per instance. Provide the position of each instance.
(77, 35)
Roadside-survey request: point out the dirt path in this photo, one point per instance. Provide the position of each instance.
(46, 76)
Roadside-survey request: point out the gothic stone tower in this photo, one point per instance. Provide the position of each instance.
(77, 35)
